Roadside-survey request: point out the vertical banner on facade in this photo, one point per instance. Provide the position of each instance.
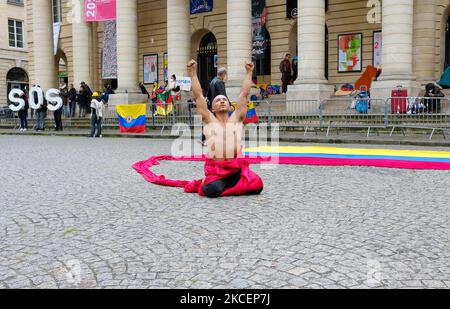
(166, 66)
(56, 31)
(259, 13)
(201, 6)
(109, 67)
(99, 10)
(150, 69)
(291, 8)
(377, 48)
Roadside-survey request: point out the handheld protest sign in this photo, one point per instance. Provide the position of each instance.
(54, 100)
(32, 98)
(17, 103)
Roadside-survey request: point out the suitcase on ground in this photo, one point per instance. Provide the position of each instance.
(399, 101)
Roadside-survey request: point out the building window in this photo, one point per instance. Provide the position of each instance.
(15, 30)
(15, 2)
(57, 11)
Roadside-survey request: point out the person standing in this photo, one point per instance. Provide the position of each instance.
(23, 113)
(41, 113)
(97, 109)
(295, 68)
(217, 86)
(72, 100)
(58, 119)
(64, 95)
(286, 71)
(83, 96)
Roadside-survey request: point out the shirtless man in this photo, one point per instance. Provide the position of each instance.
(223, 132)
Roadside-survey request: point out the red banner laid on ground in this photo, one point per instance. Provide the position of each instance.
(100, 10)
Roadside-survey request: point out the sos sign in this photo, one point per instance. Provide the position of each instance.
(36, 99)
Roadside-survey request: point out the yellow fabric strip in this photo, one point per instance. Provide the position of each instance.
(350, 151)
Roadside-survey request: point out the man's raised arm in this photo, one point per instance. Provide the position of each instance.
(241, 110)
(200, 101)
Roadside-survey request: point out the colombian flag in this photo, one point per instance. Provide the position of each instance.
(164, 104)
(131, 118)
(251, 117)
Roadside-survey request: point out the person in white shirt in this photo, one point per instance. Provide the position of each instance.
(97, 110)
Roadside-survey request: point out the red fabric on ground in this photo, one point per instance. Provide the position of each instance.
(214, 170)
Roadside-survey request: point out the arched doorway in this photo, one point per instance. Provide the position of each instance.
(62, 67)
(263, 65)
(16, 78)
(207, 60)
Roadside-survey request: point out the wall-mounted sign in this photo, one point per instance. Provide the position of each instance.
(350, 52)
(291, 9)
(99, 10)
(201, 6)
(150, 69)
(377, 48)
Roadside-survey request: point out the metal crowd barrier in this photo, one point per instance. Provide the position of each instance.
(367, 113)
(419, 113)
(309, 115)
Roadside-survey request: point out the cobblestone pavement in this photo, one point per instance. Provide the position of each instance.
(73, 214)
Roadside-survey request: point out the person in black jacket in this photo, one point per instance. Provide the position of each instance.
(432, 99)
(23, 113)
(217, 86)
(84, 97)
(72, 100)
(41, 113)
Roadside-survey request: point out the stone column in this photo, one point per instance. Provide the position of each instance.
(128, 91)
(311, 84)
(424, 41)
(81, 38)
(43, 55)
(179, 36)
(397, 61)
(239, 43)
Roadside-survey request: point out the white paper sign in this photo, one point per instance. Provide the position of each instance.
(185, 84)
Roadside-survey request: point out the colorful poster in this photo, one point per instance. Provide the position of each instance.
(350, 53)
(109, 67)
(166, 66)
(99, 10)
(377, 48)
(201, 6)
(259, 13)
(150, 69)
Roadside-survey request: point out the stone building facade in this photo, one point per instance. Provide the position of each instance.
(415, 41)
(13, 47)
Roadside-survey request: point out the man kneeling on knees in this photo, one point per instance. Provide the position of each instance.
(227, 172)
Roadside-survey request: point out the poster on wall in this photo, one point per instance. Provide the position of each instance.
(377, 48)
(291, 9)
(259, 13)
(99, 10)
(350, 53)
(166, 66)
(201, 6)
(150, 69)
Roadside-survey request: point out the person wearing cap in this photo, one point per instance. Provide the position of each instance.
(97, 110)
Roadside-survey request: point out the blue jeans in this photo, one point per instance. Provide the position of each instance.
(23, 122)
(40, 120)
(96, 125)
